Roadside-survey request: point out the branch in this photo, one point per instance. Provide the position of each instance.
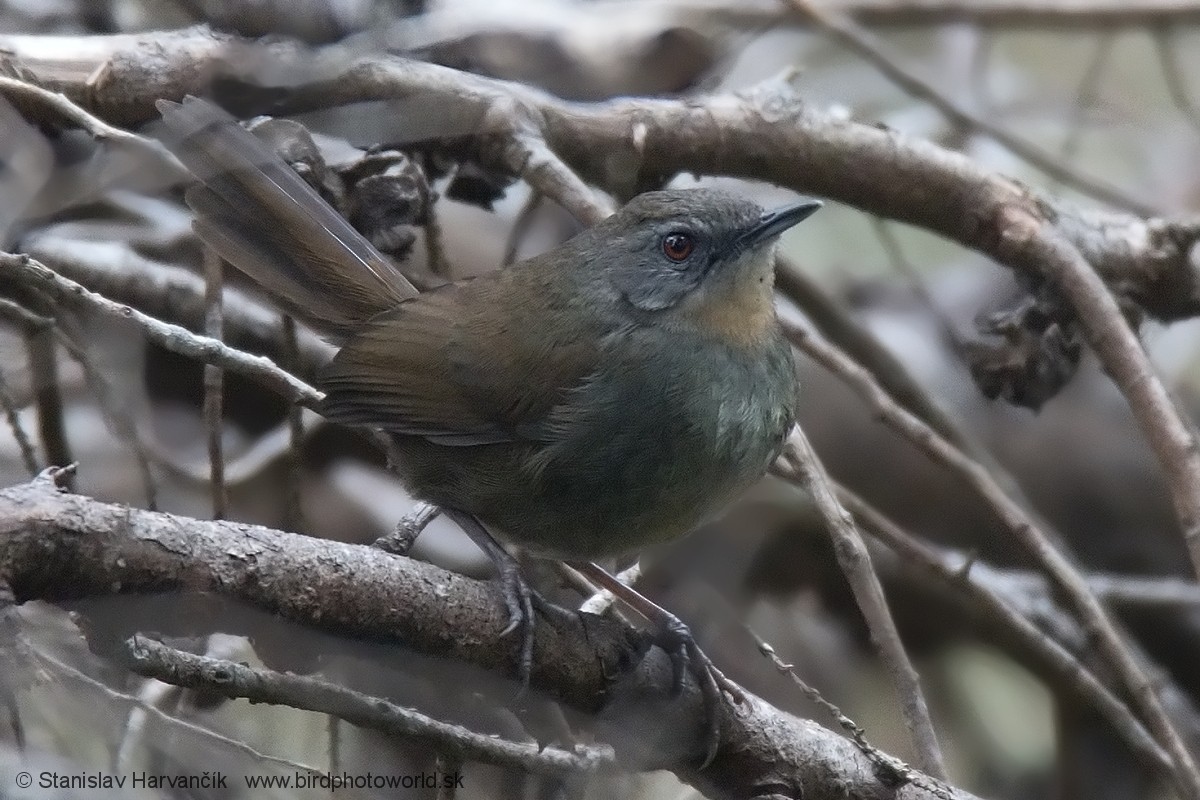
(57, 546)
(172, 337)
(768, 133)
(855, 563)
(1025, 530)
(978, 586)
(860, 41)
(152, 659)
(1126, 362)
(172, 294)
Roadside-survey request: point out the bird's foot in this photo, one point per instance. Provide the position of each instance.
(522, 600)
(676, 638)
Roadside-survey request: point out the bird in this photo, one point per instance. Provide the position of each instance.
(604, 396)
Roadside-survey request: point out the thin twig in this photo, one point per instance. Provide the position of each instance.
(445, 766)
(62, 669)
(839, 326)
(977, 73)
(247, 466)
(214, 384)
(1086, 95)
(333, 748)
(1130, 368)
(855, 562)
(435, 246)
(21, 317)
(117, 415)
(603, 600)
(43, 371)
(172, 337)
(1025, 530)
(63, 106)
(543, 170)
(290, 349)
(520, 226)
(899, 771)
(400, 539)
(895, 254)
(864, 44)
(155, 660)
(948, 570)
(1173, 76)
(12, 415)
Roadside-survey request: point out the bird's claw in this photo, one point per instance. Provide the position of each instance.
(521, 600)
(676, 638)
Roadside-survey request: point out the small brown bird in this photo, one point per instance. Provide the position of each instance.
(601, 397)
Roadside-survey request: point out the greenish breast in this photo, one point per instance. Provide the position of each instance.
(654, 444)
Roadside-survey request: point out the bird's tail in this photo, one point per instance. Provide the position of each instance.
(260, 216)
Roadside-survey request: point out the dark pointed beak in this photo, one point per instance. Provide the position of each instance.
(773, 223)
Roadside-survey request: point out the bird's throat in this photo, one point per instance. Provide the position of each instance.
(738, 309)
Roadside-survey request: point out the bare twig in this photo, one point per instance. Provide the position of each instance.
(447, 764)
(155, 660)
(294, 513)
(603, 600)
(1026, 531)
(173, 294)
(401, 538)
(61, 669)
(435, 248)
(43, 370)
(895, 254)
(1086, 95)
(1000, 608)
(863, 43)
(214, 384)
(12, 415)
(1173, 76)
(63, 107)
(898, 769)
(531, 158)
(855, 562)
(520, 226)
(1127, 364)
(267, 448)
(172, 337)
(22, 317)
(117, 415)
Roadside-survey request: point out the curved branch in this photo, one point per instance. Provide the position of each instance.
(768, 133)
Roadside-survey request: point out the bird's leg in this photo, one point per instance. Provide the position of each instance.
(676, 638)
(519, 597)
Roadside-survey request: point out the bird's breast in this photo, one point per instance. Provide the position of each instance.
(663, 436)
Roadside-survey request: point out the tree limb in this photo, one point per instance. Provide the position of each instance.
(58, 546)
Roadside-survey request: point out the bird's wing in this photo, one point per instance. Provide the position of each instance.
(467, 363)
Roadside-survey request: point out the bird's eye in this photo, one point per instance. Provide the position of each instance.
(677, 246)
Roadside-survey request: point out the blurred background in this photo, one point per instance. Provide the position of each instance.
(1111, 95)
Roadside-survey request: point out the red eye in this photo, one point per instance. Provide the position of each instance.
(677, 246)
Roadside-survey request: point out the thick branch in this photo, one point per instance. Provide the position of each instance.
(59, 546)
(768, 134)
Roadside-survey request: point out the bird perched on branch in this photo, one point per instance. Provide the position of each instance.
(604, 396)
